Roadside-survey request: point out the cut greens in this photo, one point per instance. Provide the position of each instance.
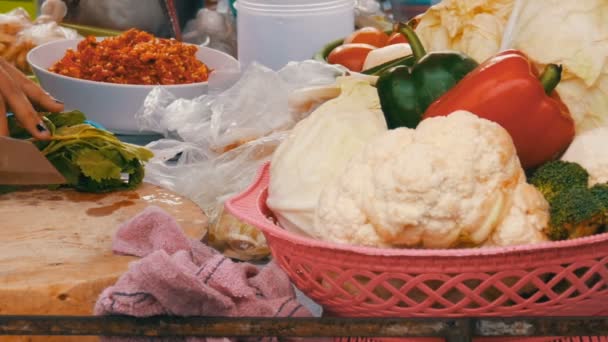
(90, 159)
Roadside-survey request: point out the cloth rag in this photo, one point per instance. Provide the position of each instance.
(180, 276)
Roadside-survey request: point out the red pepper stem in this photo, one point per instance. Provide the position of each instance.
(550, 77)
(417, 48)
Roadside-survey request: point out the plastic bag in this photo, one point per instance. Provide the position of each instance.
(217, 29)
(11, 24)
(214, 144)
(370, 13)
(19, 34)
(46, 32)
(52, 11)
(255, 106)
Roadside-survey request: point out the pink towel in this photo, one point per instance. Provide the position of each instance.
(183, 277)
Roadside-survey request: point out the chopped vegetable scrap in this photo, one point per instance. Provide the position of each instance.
(406, 92)
(134, 57)
(90, 159)
(575, 209)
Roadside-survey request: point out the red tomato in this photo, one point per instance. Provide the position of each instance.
(367, 35)
(396, 38)
(352, 56)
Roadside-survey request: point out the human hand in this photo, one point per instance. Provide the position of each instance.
(20, 94)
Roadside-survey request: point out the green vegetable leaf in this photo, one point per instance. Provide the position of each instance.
(90, 159)
(66, 118)
(94, 165)
(112, 153)
(137, 176)
(87, 184)
(63, 164)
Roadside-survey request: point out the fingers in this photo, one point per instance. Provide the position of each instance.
(16, 99)
(3, 120)
(40, 97)
(33, 91)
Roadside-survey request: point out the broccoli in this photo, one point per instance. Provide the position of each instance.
(575, 209)
(576, 212)
(600, 191)
(556, 176)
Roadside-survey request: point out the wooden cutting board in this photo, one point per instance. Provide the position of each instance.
(55, 246)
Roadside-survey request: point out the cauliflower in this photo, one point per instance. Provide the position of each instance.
(432, 188)
(590, 151)
(525, 220)
(318, 149)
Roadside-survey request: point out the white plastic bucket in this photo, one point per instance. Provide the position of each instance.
(275, 32)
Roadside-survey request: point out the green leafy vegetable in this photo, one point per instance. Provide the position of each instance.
(95, 166)
(90, 159)
(66, 119)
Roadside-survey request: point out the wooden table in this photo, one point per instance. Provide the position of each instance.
(453, 330)
(56, 246)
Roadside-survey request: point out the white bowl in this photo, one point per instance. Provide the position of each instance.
(112, 105)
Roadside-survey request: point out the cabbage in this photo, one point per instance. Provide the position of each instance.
(474, 27)
(318, 149)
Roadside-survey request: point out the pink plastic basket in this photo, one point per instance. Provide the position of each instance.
(568, 278)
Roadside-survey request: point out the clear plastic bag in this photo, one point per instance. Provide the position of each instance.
(255, 106)
(52, 11)
(19, 34)
(45, 32)
(14, 21)
(11, 24)
(370, 13)
(214, 144)
(216, 28)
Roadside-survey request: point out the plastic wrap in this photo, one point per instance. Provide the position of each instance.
(215, 143)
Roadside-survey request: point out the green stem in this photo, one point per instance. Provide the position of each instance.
(550, 77)
(412, 38)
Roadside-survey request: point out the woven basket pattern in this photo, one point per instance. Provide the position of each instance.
(567, 278)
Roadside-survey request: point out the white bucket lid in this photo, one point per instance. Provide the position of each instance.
(293, 5)
(290, 3)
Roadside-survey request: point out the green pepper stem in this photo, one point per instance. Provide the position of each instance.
(550, 77)
(417, 48)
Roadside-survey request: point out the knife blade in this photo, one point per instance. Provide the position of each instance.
(21, 163)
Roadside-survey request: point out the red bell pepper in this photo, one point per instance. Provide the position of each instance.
(507, 89)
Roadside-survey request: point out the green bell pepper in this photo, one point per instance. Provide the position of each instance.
(406, 92)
